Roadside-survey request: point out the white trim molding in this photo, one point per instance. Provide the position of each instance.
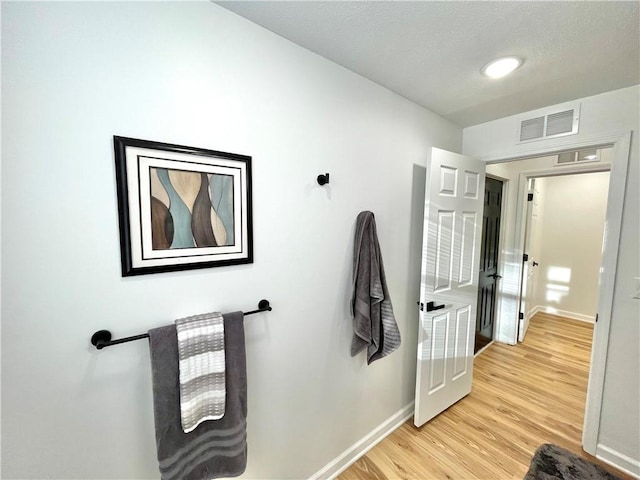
(554, 145)
(610, 248)
(343, 461)
(618, 460)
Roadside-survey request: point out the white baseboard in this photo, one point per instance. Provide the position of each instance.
(339, 464)
(533, 311)
(563, 313)
(616, 459)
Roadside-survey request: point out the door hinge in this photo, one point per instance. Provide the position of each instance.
(596, 318)
(525, 257)
(421, 306)
(530, 197)
(520, 316)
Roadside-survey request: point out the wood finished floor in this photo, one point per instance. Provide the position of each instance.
(523, 396)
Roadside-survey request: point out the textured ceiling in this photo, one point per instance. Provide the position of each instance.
(431, 52)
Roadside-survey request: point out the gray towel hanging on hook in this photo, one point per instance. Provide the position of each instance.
(374, 324)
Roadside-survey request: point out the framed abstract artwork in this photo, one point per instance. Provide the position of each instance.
(181, 207)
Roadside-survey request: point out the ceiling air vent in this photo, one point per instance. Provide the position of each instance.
(555, 124)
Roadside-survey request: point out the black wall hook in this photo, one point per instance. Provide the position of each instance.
(323, 179)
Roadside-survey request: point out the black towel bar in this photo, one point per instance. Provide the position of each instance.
(102, 338)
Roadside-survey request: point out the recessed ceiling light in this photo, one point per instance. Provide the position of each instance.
(501, 67)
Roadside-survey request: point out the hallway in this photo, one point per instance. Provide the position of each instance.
(523, 396)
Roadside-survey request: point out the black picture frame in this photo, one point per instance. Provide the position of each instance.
(181, 208)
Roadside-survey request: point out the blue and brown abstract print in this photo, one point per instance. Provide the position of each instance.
(191, 209)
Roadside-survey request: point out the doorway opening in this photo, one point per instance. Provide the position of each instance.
(512, 253)
(564, 229)
(449, 248)
(561, 239)
(514, 265)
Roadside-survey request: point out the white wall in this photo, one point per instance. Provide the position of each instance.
(510, 251)
(608, 113)
(74, 75)
(572, 219)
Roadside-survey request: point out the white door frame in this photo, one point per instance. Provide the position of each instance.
(621, 143)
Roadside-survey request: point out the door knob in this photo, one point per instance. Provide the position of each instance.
(495, 275)
(431, 306)
(535, 264)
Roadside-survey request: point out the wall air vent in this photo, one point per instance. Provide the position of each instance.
(559, 123)
(580, 156)
(532, 129)
(555, 124)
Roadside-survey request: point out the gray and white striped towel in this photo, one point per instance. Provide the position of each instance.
(201, 356)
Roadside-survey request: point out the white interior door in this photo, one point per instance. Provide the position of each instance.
(532, 251)
(449, 281)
